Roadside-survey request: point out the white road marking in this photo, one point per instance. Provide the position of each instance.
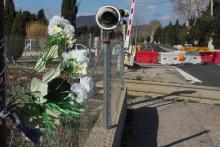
(187, 75)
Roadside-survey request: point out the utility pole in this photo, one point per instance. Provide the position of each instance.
(2, 73)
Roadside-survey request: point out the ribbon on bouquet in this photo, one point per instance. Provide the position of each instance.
(33, 134)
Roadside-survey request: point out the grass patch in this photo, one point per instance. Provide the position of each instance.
(147, 97)
(179, 100)
(192, 101)
(217, 104)
(185, 100)
(139, 78)
(132, 97)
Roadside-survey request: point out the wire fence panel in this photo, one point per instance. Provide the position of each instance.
(116, 77)
(2, 90)
(22, 55)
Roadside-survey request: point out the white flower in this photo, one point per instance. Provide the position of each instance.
(64, 26)
(87, 83)
(69, 29)
(57, 20)
(81, 93)
(82, 69)
(84, 89)
(65, 56)
(78, 55)
(52, 30)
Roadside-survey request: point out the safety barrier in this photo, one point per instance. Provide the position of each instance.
(207, 57)
(150, 57)
(177, 57)
(169, 58)
(216, 57)
(192, 58)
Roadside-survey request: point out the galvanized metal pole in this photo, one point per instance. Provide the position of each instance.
(90, 46)
(2, 73)
(106, 76)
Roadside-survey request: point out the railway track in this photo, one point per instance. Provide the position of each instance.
(203, 94)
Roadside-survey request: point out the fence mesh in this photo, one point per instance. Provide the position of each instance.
(22, 55)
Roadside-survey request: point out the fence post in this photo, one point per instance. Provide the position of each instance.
(90, 46)
(106, 76)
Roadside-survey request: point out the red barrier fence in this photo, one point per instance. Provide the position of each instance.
(150, 57)
(216, 58)
(207, 57)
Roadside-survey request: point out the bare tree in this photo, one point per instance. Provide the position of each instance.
(136, 23)
(189, 9)
(183, 8)
(154, 24)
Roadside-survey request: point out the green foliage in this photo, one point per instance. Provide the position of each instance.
(139, 78)
(71, 67)
(205, 27)
(69, 10)
(132, 97)
(28, 17)
(10, 15)
(41, 17)
(18, 27)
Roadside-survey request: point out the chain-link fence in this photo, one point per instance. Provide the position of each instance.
(2, 89)
(22, 55)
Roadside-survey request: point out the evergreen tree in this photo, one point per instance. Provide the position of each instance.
(28, 17)
(157, 35)
(10, 15)
(69, 10)
(16, 46)
(177, 24)
(41, 17)
(18, 27)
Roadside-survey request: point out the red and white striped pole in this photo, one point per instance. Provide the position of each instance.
(130, 21)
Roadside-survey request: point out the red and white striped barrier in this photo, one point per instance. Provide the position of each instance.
(130, 22)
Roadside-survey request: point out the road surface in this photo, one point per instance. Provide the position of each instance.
(209, 74)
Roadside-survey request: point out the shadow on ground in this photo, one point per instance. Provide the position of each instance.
(187, 138)
(141, 128)
(177, 93)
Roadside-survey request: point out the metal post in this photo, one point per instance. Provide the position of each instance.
(2, 73)
(90, 46)
(106, 75)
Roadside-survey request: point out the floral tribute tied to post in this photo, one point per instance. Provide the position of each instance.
(52, 96)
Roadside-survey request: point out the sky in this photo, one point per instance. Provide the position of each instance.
(146, 10)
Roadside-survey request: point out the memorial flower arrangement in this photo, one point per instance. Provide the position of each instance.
(52, 96)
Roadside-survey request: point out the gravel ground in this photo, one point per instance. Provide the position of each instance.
(157, 122)
(155, 74)
(152, 123)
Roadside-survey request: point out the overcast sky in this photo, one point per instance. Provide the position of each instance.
(146, 10)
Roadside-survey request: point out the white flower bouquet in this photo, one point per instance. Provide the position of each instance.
(51, 97)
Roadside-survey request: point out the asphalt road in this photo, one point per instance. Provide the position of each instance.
(154, 47)
(209, 74)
